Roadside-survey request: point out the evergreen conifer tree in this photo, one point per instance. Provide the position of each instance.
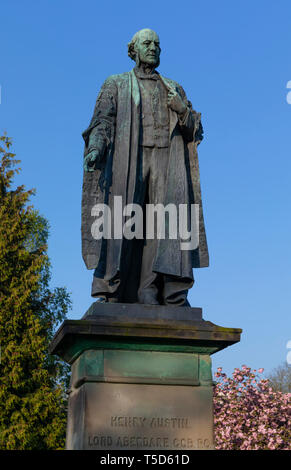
(32, 383)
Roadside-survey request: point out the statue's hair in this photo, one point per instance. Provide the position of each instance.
(131, 44)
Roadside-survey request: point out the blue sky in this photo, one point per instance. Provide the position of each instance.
(233, 60)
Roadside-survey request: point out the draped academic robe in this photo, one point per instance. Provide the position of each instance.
(117, 119)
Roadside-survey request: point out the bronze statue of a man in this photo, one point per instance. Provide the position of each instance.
(141, 146)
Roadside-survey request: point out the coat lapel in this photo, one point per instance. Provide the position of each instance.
(173, 115)
(135, 89)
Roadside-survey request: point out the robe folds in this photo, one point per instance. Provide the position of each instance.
(119, 176)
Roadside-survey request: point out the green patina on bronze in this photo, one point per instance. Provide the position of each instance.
(120, 349)
(141, 345)
(141, 367)
(138, 113)
(151, 364)
(72, 351)
(133, 332)
(89, 363)
(138, 367)
(205, 371)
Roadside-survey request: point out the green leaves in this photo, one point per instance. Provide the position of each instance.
(32, 383)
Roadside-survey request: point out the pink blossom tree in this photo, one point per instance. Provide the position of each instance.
(249, 414)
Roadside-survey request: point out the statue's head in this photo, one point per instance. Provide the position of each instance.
(145, 48)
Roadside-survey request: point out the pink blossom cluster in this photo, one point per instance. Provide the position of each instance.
(249, 414)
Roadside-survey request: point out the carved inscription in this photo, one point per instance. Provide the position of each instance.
(155, 422)
(128, 421)
(139, 442)
(144, 424)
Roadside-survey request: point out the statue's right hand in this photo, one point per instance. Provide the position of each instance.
(90, 160)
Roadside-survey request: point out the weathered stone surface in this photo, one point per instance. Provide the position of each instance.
(141, 327)
(138, 312)
(138, 416)
(141, 377)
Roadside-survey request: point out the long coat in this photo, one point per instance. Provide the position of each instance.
(119, 177)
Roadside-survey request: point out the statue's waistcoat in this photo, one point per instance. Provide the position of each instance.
(154, 130)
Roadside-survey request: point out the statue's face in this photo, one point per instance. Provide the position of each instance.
(148, 48)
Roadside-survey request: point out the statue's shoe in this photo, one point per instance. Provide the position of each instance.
(101, 300)
(148, 298)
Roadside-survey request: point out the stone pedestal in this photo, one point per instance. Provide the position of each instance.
(141, 377)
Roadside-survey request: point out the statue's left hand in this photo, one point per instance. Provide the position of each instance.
(176, 103)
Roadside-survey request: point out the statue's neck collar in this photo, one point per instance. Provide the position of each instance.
(144, 73)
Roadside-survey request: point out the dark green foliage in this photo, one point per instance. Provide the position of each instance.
(32, 383)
